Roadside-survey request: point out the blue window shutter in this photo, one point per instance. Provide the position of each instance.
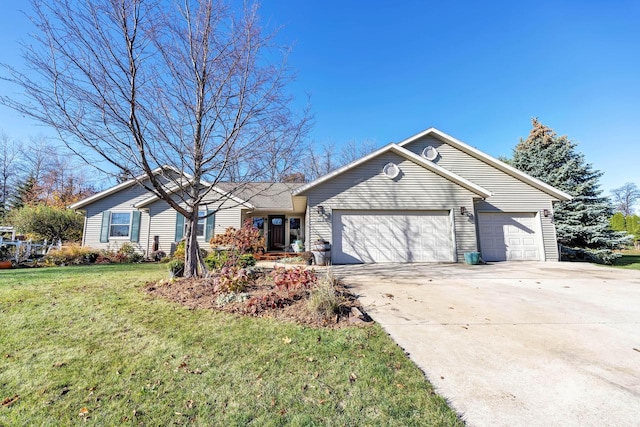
(135, 227)
(210, 222)
(179, 226)
(104, 229)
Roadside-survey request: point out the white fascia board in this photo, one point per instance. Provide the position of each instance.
(439, 170)
(175, 188)
(492, 161)
(340, 170)
(403, 152)
(115, 189)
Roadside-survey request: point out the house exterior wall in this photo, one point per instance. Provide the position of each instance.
(365, 187)
(509, 193)
(157, 219)
(122, 201)
(163, 222)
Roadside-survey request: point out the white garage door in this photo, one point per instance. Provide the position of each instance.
(391, 236)
(508, 236)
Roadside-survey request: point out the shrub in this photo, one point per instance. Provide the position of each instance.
(246, 239)
(232, 279)
(126, 249)
(324, 299)
(176, 267)
(179, 252)
(257, 305)
(602, 256)
(71, 255)
(48, 222)
(136, 257)
(246, 260)
(219, 259)
(293, 279)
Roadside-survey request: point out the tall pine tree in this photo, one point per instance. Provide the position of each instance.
(582, 222)
(25, 193)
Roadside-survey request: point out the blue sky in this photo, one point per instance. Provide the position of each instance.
(383, 71)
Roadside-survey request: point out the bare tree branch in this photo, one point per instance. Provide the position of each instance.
(133, 85)
(625, 198)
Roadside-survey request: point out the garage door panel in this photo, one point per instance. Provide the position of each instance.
(391, 236)
(508, 236)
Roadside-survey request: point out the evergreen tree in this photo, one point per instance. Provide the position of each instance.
(25, 193)
(618, 222)
(582, 222)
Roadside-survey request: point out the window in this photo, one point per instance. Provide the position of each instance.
(276, 221)
(295, 231)
(120, 224)
(201, 222)
(259, 224)
(200, 227)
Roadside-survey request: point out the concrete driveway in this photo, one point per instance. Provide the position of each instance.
(516, 344)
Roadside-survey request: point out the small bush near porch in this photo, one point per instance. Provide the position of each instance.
(87, 345)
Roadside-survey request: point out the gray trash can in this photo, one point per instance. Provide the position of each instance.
(321, 251)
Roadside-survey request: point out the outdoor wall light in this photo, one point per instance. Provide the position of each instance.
(463, 210)
(546, 213)
(320, 209)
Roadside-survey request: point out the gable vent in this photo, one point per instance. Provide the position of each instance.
(430, 153)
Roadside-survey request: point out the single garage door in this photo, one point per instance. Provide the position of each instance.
(509, 236)
(391, 236)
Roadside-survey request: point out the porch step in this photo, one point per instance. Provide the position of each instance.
(274, 256)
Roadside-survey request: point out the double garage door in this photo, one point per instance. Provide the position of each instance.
(391, 236)
(509, 236)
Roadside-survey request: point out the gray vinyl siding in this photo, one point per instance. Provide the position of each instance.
(365, 187)
(509, 194)
(163, 222)
(122, 201)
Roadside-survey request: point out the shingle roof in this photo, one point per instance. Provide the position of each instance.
(263, 195)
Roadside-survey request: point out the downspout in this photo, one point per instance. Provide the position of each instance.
(84, 228)
(148, 211)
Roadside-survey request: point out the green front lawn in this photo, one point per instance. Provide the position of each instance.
(86, 344)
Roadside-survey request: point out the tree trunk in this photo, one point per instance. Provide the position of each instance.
(193, 263)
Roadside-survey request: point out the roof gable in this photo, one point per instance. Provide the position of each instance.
(119, 187)
(491, 161)
(403, 152)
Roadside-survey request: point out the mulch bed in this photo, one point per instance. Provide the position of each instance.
(201, 294)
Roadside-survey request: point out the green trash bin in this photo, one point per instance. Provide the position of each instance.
(472, 258)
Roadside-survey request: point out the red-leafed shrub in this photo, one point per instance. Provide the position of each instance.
(257, 305)
(293, 279)
(232, 279)
(245, 240)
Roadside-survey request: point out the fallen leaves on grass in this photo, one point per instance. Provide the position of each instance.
(10, 400)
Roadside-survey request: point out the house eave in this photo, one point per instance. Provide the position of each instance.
(403, 152)
(498, 164)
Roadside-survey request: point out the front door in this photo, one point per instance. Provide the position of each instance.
(276, 233)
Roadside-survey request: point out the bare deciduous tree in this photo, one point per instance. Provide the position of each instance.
(625, 197)
(133, 85)
(324, 158)
(353, 150)
(9, 169)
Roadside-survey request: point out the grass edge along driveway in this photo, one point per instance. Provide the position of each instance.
(86, 344)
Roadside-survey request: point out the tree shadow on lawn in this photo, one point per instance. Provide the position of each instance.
(627, 260)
